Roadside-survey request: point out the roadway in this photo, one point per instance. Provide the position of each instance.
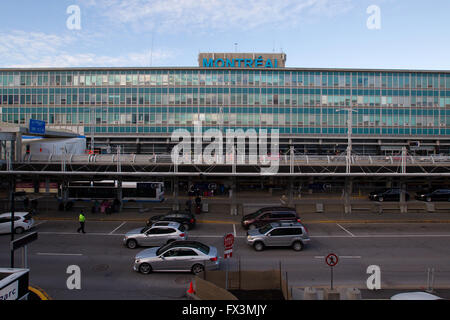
(403, 251)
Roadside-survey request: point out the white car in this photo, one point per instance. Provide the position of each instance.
(415, 296)
(22, 222)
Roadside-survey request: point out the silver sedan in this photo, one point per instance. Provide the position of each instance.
(156, 235)
(187, 256)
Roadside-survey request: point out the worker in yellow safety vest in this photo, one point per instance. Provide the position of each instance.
(82, 220)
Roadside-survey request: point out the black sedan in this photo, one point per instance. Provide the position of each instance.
(387, 195)
(436, 195)
(186, 219)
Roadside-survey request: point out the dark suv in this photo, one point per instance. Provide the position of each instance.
(186, 219)
(387, 195)
(436, 195)
(268, 215)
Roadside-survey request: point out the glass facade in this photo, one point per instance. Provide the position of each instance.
(295, 101)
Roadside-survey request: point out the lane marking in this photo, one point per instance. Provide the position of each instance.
(345, 229)
(58, 254)
(117, 228)
(318, 236)
(234, 229)
(39, 292)
(38, 224)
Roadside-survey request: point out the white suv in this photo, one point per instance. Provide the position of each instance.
(22, 222)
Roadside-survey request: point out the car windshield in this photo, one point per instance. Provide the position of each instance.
(163, 248)
(202, 247)
(264, 229)
(145, 229)
(254, 214)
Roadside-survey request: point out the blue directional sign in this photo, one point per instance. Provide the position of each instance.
(37, 126)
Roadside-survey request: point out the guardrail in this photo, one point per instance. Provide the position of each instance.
(240, 160)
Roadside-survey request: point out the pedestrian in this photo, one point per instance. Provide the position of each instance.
(198, 205)
(283, 200)
(82, 220)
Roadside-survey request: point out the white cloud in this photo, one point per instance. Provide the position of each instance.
(217, 15)
(20, 49)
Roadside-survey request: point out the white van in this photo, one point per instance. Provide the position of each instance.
(22, 222)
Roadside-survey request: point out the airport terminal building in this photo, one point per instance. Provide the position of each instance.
(139, 108)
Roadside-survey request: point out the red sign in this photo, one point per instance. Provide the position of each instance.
(331, 259)
(228, 242)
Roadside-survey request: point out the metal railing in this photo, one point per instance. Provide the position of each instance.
(240, 160)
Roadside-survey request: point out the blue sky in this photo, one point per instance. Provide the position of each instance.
(414, 34)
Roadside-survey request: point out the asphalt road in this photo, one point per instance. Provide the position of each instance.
(403, 251)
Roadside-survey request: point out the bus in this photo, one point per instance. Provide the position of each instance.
(108, 190)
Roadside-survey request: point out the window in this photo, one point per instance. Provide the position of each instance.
(186, 253)
(171, 253)
(279, 232)
(282, 215)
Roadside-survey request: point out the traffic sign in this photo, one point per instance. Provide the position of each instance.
(37, 126)
(228, 242)
(331, 259)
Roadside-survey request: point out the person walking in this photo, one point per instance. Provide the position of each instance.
(82, 220)
(283, 200)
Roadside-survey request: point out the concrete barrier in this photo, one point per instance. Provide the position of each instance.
(353, 294)
(329, 294)
(310, 294)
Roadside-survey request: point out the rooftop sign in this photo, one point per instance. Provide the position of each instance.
(240, 63)
(242, 60)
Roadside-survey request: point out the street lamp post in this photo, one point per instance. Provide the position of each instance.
(349, 135)
(348, 181)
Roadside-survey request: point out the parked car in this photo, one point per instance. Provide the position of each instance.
(188, 256)
(186, 219)
(22, 222)
(267, 215)
(279, 234)
(155, 235)
(436, 195)
(387, 195)
(415, 296)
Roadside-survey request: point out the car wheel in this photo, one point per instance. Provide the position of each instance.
(132, 244)
(19, 230)
(251, 227)
(145, 268)
(259, 246)
(297, 246)
(186, 227)
(197, 268)
(428, 199)
(380, 199)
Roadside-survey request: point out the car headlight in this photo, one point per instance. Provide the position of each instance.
(137, 261)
